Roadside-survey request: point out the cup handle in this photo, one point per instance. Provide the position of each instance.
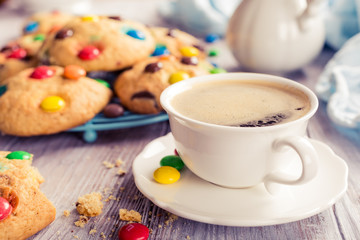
(308, 157)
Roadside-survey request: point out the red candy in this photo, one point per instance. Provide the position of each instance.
(42, 72)
(89, 53)
(18, 53)
(5, 208)
(134, 231)
(176, 152)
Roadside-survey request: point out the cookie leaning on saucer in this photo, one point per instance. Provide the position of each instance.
(50, 99)
(139, 88)
(27, 210)
(99, 43)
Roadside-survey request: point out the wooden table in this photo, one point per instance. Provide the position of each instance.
(73, 168)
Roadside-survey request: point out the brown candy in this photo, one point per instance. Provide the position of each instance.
(153, 67)
(171, 33)
(64, 33)
(11, 196)
(143, 94)
(190, 60)
(113, 110)
(115, 18)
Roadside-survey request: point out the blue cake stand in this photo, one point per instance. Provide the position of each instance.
(100, 122)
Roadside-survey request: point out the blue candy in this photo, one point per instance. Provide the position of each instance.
(160, 50)
(3, 89)
(136, 34)
(31, 26)
(212, 38)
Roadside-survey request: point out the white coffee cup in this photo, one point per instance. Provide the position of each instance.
(241, 157)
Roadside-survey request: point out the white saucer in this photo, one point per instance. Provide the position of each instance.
(196, 199)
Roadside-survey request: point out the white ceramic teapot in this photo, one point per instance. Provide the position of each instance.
(276, 35)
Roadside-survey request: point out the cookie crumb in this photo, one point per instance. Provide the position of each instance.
(103, 235)
(111, 197)
(90, 204)
(66, 213)
(108, 164)
(188, 237)
(120, 172)
(172, 218)
(76, 236)
(82, 221)
(131, 215)
(92, 231)
(118, 162)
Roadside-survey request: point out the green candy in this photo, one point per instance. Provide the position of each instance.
(213, 53)
(3, 89)
(103, 82)
(217, 70)
(172, 161)
(19, 155)
(39, 37)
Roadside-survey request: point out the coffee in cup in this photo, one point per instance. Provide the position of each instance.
(246, 103)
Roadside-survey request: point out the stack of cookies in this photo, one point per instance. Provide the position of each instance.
(66, 69)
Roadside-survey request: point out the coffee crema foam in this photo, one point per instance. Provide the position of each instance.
(247, 103)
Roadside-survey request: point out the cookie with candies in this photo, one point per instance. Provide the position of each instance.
(139, 88)
(99, 43)
(45, 22)
(50, 99)
(19, 54)
(176, 42)
(24, 209)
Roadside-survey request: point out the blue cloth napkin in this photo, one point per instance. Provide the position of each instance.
(339, 85)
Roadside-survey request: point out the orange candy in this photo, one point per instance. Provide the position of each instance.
(167, 57)
(74, 72)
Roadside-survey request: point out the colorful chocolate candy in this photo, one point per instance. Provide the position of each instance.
(39, 37)
(5, 208)
(210, 38)
(172, 161)
(31, 27)
(213, 53)
(18, 53)
(178, 76)
(18, 155)
(160, 50)
(217, 70)
(103, 82)
(64, 33)
(52, 104)
(3, 89)
(136, 34)
(74, 72)
(89, 53)
(190, 60)
(189, 51)
(42, 72)
(133, 231)
(90, 18)
(166, 175)
(113, 110)
(153, 67)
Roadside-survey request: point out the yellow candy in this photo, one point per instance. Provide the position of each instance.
(90, 18)
(178, 76)
(166, 175)
(52, 104)
(189, 51)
